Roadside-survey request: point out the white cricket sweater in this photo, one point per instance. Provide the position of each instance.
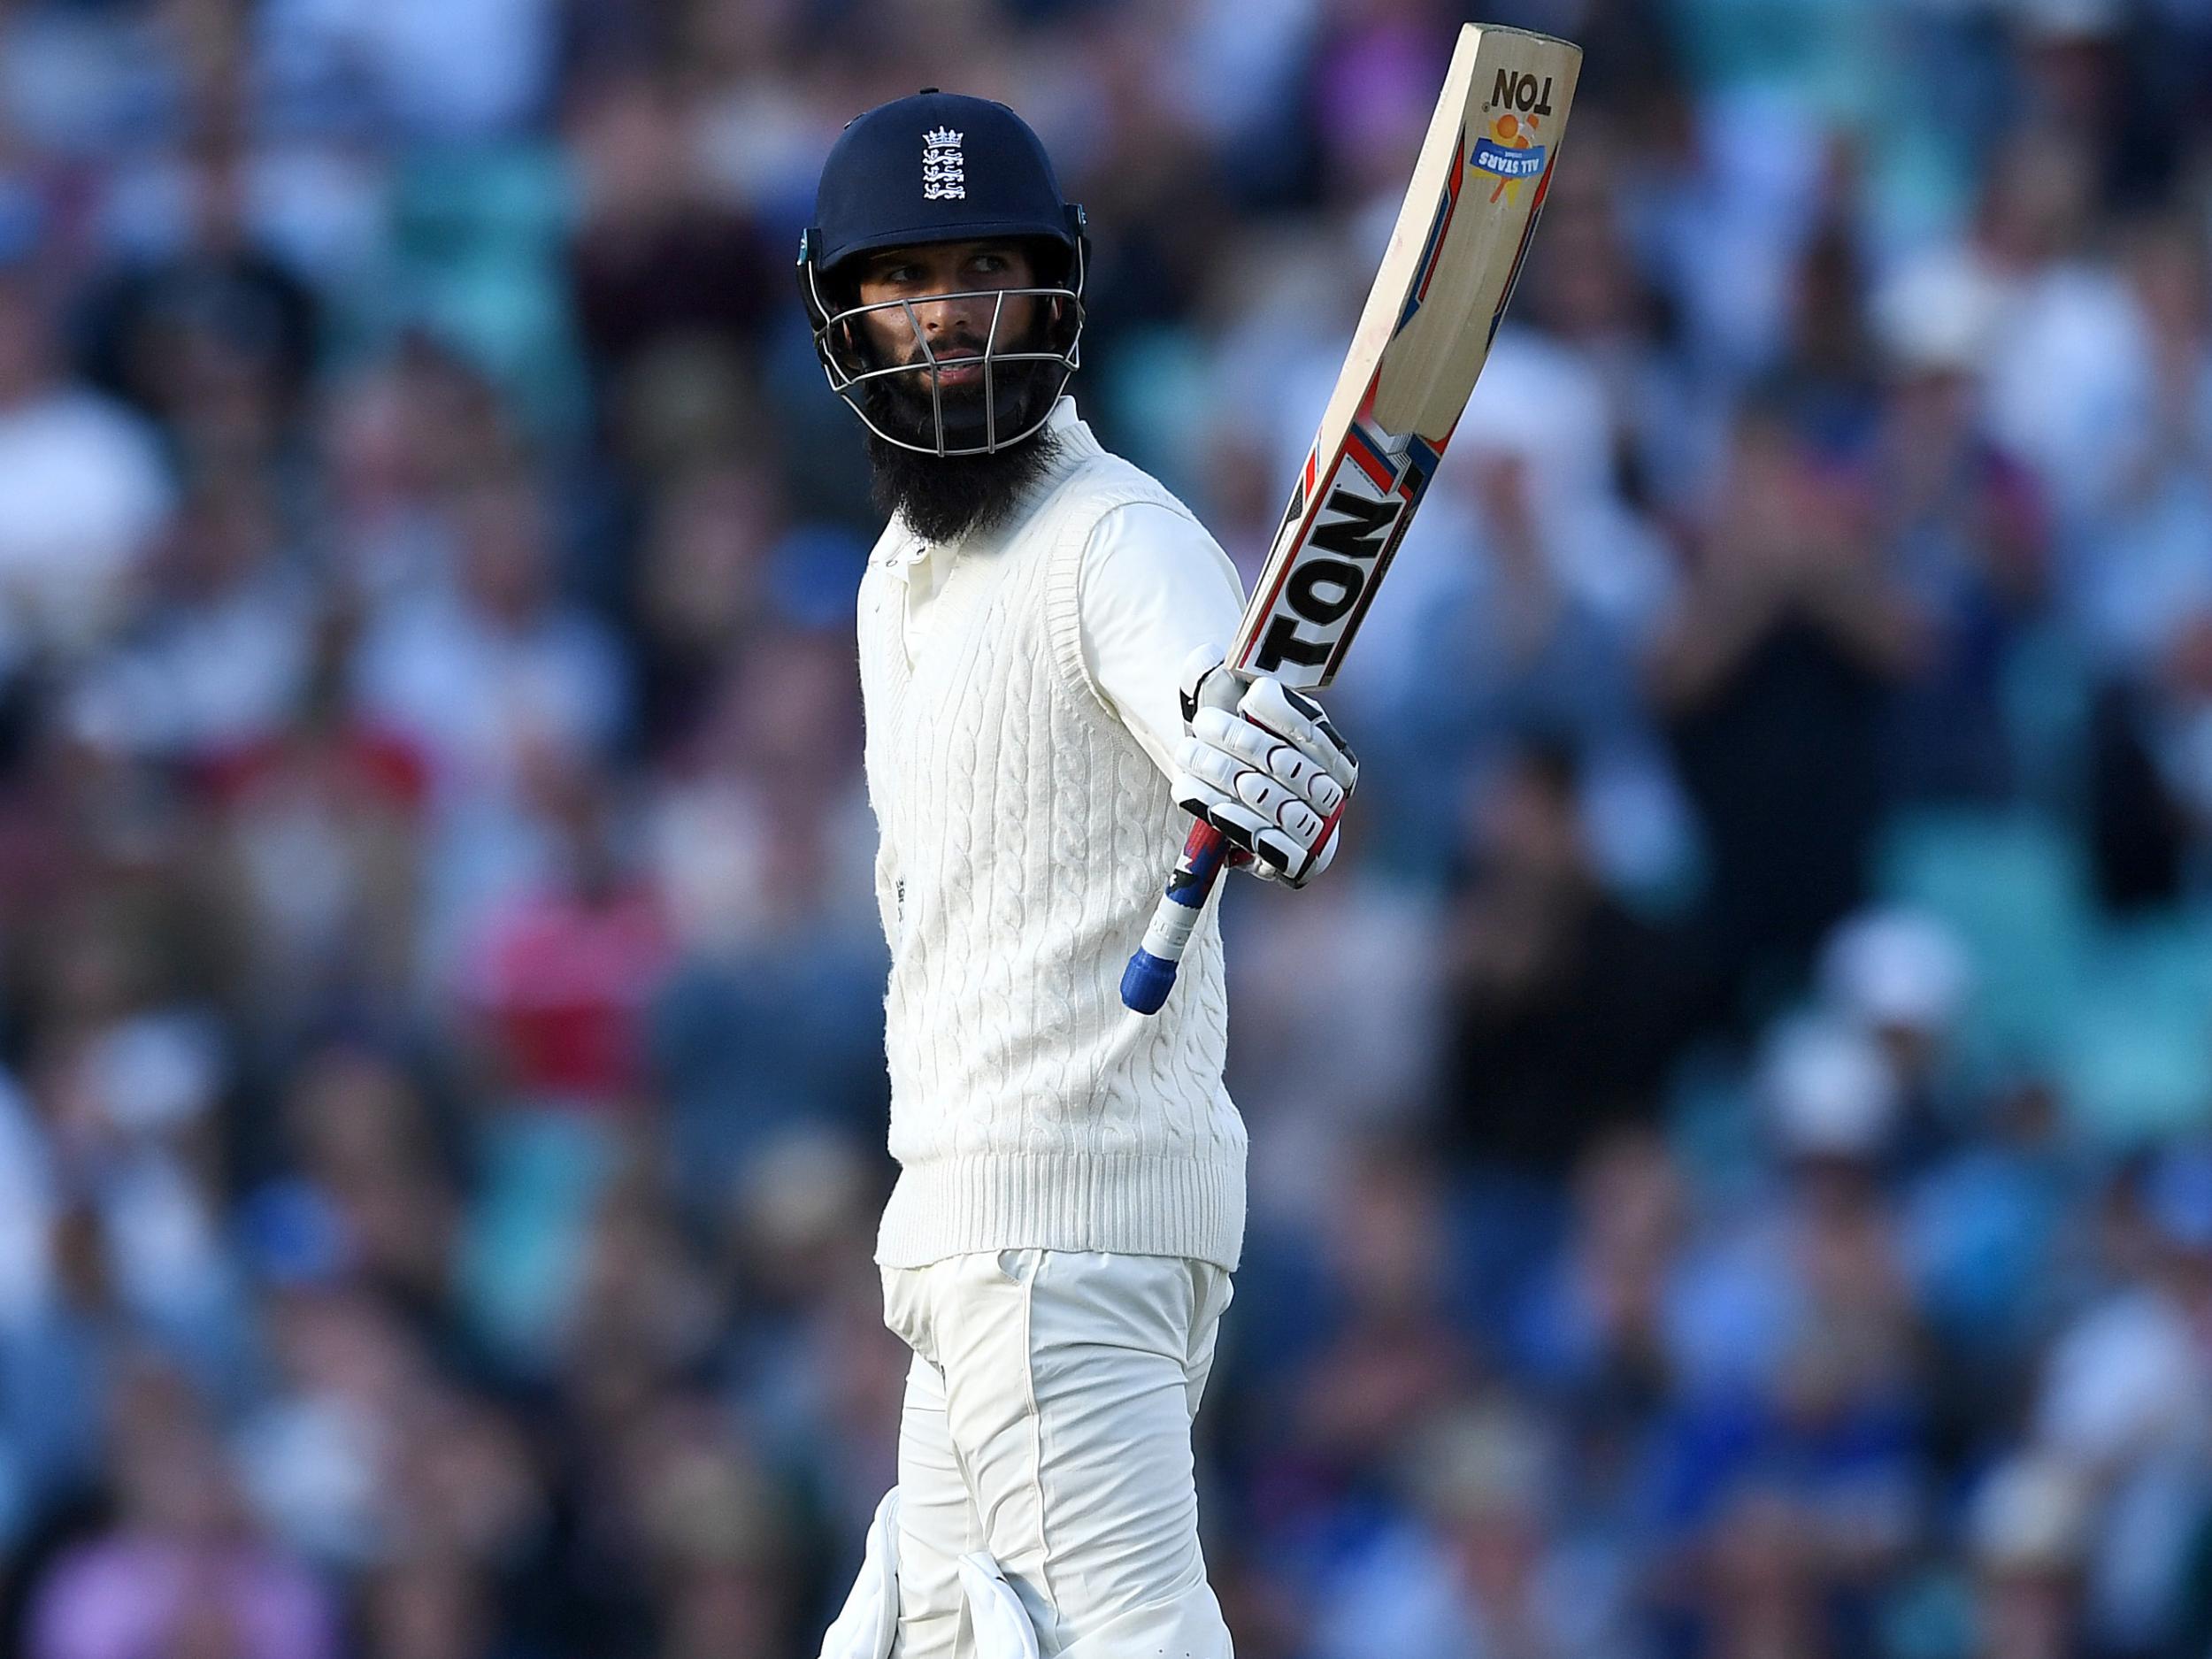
(1025, 835)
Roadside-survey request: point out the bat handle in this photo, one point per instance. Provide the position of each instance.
(1150, 974)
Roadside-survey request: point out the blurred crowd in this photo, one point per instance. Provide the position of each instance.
(1732, 1138)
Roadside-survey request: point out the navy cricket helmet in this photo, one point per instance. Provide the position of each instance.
(935, 168)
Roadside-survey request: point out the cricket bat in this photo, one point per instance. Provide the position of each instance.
(1423, 336)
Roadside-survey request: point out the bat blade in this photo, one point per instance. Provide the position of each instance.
(1424, 334)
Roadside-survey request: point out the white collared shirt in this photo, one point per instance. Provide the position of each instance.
(1155, 587)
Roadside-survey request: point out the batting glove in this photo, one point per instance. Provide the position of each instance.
(1262, 764)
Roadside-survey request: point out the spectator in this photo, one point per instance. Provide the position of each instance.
(1566, 1007)
(490, 681)
(1965, 525)
(315, 843)
(1772, 677)
(216, 339)
(2028, 1532)
(182, 1571)
(657, 263)
(560, 977)
(225, 658)
(85, 491)
(1489, 1574)
(2124, 1404)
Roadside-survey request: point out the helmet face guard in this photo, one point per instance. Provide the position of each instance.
(1022, 379)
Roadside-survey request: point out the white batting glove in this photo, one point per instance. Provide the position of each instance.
(1263, 764)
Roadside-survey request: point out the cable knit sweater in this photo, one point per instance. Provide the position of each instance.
(1024, 837)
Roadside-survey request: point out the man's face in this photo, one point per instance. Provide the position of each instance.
(952, 328)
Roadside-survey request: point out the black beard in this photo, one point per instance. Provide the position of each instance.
(945, 497)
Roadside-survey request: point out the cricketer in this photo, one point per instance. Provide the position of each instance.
(1042, 628)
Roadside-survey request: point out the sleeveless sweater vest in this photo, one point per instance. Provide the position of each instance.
(1025, 835)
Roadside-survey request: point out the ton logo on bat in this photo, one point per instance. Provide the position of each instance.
(1321, 590)
(1524, 93)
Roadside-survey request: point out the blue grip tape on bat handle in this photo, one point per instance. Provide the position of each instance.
(1150, 974)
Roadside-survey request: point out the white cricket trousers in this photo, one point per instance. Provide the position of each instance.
(1047, 1421)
